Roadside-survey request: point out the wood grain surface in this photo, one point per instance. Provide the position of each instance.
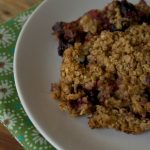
(7, 142)
(9, 9)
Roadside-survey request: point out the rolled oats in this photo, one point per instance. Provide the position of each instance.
(105, 71)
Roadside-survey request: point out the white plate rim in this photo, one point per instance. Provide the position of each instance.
(15, 70)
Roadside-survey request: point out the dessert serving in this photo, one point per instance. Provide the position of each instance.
(105, 70)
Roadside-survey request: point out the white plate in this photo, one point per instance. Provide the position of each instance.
(37, 66)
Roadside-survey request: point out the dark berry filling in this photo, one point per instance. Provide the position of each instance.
(70, 33)
(146, 94)
(127, 9)
(93, 96)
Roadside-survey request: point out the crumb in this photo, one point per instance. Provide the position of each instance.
(105, 71)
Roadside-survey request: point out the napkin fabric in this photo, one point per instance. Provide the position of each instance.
(12, 114)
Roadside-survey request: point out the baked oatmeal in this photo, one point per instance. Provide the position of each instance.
(105, 71)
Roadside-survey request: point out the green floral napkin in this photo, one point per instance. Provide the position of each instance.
(12, 114)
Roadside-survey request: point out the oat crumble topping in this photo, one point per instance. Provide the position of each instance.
(105, 71)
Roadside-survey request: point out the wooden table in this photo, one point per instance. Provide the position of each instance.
(9, 9)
